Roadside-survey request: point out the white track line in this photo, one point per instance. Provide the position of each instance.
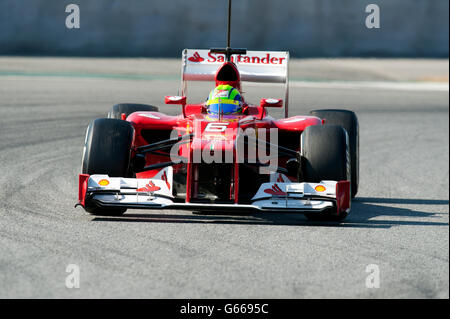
(352, 85)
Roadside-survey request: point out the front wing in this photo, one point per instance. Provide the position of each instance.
(105, 191)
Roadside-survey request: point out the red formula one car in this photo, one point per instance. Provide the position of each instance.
(200, 160)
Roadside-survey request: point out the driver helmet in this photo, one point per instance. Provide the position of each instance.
(224, 99)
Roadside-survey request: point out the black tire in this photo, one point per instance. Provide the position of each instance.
(325, 156)
(128, 108)
(107, 150)
(349, 121)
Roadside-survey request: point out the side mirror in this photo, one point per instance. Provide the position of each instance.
(271, 103)
(179, 100)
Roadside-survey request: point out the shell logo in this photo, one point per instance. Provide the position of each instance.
(103, 182)
(320, 188)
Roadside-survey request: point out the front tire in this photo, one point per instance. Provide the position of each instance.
(107, 150)
(325, 156)
(349, 121)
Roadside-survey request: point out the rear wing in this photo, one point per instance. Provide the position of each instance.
(255, 66)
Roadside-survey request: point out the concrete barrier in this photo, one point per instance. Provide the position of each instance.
(329, 28)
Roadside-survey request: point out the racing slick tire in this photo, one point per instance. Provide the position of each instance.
(349, 121)
(128, 108)
(325, 156)
(107, 150)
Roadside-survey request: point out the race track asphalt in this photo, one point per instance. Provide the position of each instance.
(399, 220)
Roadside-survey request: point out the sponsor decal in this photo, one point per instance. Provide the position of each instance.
(267, 59)
(196, 58)
(149, 188)
(103, 182)
(275, 190)
(246, 59)
(320, 188)
(221, 93)
(215, 137)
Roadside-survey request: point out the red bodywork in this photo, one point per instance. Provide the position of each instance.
(151, 127)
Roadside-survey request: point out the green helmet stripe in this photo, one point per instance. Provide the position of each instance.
(233, 94)
(222, 101)
(224, 87)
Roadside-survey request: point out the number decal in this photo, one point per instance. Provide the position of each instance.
(216, 127)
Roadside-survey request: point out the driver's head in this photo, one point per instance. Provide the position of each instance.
(224, 99)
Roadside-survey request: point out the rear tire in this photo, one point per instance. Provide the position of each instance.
(128, 108)
(349, 121)
(107, 151)
(324, 153)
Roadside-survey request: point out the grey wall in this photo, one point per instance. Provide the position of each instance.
(165, 27)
